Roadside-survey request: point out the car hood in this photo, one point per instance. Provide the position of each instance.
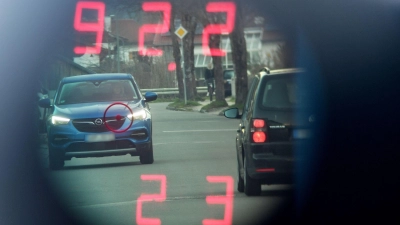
(98, 109)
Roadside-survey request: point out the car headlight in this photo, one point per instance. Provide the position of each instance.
(57, 120)
(138, 115)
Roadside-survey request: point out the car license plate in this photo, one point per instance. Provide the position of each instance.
(100, 137)
(301, 134)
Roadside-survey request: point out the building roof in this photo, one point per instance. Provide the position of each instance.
(74, 65)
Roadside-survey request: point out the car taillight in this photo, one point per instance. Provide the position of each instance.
(258, 123)
(259, 137)
(259, 131)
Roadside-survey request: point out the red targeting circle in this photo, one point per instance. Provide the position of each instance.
(118, 117)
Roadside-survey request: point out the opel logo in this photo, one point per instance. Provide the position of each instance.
(98, 122)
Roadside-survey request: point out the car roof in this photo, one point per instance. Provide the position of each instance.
(100, 76)
(266, 72)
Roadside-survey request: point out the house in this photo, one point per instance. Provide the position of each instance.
(120, 45)
(60, 67)
(262, 42)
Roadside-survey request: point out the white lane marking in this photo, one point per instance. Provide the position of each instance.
(204, 142)
(183, 131)
(167, 143)
(134, 201)
(195, 142)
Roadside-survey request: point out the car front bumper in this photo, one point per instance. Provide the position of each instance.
(71, 143)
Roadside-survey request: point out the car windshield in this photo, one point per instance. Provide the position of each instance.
(96, 91)
(283, 93)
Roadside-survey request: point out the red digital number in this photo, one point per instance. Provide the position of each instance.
(230, 9)
(172, 66)
(165, 7)
(97, 27)
(151, 197)
(226, 200)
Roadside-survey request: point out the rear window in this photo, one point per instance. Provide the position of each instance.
(97, 91)
(282, 93)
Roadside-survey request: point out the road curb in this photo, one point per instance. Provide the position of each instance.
(179, 109)
(216, 111)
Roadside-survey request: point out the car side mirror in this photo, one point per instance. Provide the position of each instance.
(150, 96)
(45, 103)
(232, 113)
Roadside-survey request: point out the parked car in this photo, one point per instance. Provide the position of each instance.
(99, 115)
(270, 127)
(228, 75)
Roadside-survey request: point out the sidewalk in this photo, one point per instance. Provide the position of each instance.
(215, 111)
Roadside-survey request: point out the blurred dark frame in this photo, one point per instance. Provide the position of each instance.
(352, 44)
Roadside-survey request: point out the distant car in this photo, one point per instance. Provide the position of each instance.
(269, 128)
(228, 75)
(99, 115)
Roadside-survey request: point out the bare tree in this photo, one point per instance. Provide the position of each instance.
(239, 56)
(189, 22)
(177, 54)
(284, 56)
(186, 10)
(214, 42)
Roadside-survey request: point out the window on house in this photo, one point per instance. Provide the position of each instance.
(208, 60)
(253, 40)
(226, 44)
(227, 61)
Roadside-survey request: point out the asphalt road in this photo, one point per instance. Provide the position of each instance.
(188, 147)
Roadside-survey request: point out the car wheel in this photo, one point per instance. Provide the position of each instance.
(56, 159)
(240, 183)
(146, 156)
(252, 187)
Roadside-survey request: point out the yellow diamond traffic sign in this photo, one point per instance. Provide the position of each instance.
(181, 32)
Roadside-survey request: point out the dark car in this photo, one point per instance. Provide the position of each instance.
(276, 116)
(228, 75)
(99, 115)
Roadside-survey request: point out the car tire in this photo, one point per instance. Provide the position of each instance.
(252, 187)
(56, 159)
(240, 183)
(146, 157)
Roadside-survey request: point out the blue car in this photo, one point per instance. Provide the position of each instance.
(99, 115)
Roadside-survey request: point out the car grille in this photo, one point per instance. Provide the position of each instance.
(98, 146)
(89, 124)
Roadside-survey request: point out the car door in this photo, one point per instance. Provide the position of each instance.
(244, 123)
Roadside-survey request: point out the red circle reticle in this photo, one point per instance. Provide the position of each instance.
(118, 117)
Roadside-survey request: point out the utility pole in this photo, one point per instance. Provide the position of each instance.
(181, 32)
